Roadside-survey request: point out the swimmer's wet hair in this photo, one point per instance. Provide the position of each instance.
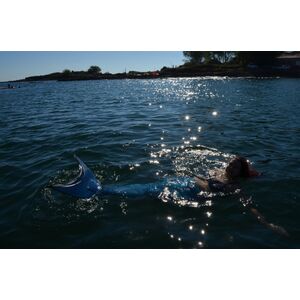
(245, 170)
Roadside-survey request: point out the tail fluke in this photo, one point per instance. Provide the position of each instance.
(85, 185)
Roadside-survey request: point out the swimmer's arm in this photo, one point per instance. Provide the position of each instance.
(202, 183)
(247, 202)
(278, 229)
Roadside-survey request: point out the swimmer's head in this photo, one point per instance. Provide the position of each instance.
(239, 167)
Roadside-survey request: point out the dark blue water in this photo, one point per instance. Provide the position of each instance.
(143, 131)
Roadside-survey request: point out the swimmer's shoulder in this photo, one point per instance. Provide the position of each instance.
(223, 186)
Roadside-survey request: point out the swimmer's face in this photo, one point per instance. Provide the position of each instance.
(234, 168)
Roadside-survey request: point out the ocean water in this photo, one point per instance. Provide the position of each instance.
(147, 131)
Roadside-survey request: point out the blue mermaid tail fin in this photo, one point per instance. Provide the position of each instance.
(85, 185)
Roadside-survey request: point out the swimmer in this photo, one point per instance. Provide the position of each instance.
(227, 181)
(86, 185)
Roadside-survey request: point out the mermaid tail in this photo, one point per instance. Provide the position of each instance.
(179, 184)
(86, 185)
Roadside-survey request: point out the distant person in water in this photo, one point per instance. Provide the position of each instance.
(226, 180)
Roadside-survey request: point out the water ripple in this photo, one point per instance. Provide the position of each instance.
(143, 131)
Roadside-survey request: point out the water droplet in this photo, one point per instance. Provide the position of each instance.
(154, 161)
(214, 113)
(208, 214)
(187, 117)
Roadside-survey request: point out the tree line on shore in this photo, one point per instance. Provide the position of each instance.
(93, 70)
(243, 58)
(194, 58)
(196, 63)
(93, 73)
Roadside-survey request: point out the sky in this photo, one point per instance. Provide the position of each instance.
(18, 64)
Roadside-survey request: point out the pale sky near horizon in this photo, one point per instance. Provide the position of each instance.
(20, 64)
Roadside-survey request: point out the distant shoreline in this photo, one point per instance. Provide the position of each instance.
(232, 71)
